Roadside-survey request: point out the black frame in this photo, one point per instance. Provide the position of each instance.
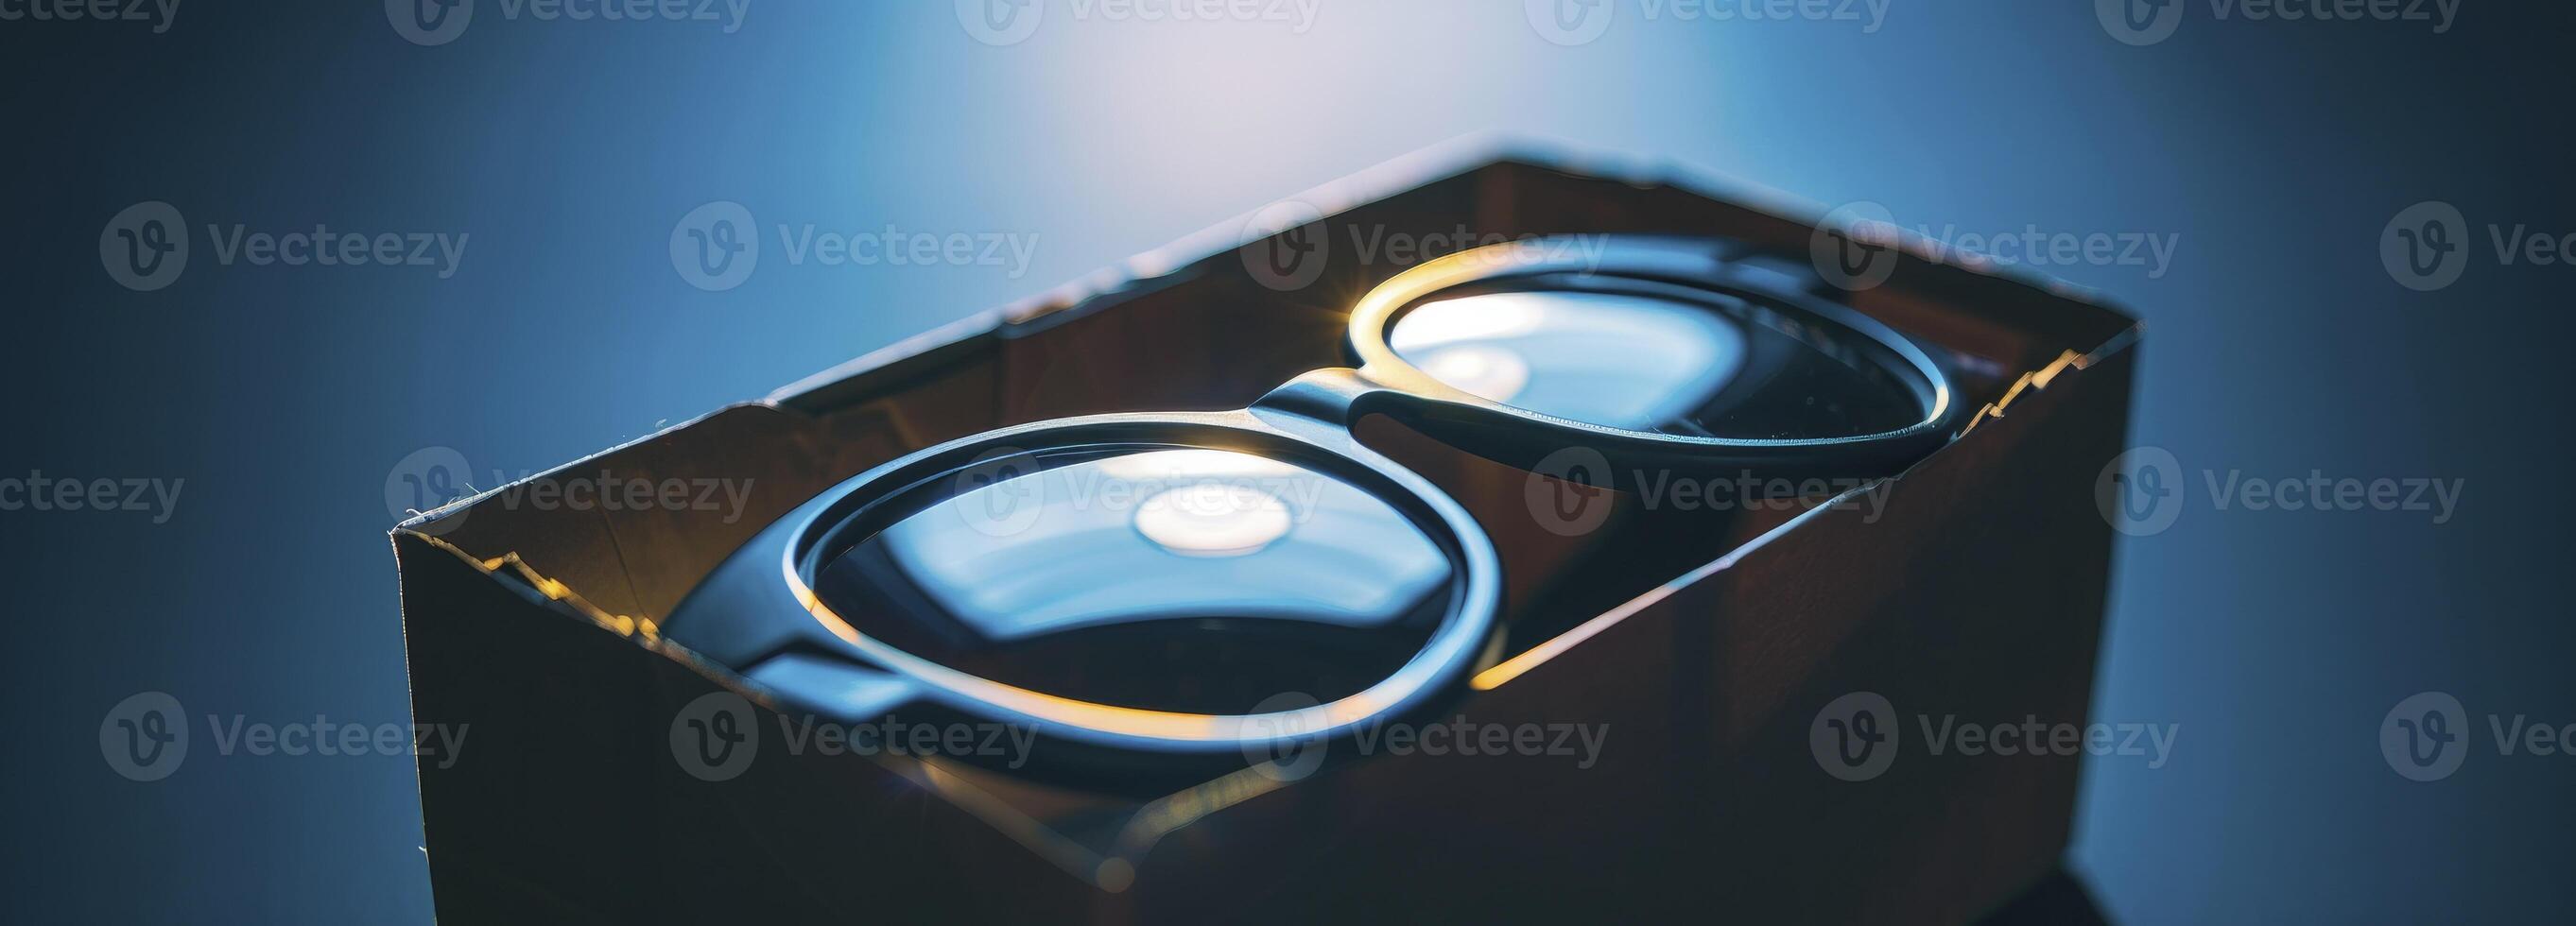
(760, 603)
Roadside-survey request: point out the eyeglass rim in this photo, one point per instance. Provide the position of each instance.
(1449, 654)
(1693, 261)
(1466, 630)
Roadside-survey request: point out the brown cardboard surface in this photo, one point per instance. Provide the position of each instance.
(1981, 589)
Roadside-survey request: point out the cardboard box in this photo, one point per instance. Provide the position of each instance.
(1705, 648)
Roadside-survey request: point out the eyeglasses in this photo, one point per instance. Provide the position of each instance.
(1144, 586)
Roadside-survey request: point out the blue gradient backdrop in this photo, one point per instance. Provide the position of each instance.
(2275, 150)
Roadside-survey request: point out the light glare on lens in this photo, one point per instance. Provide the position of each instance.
(1489, 371)
(1213, 520)
(1494, 315)
(1193, 463)
(1611, 359)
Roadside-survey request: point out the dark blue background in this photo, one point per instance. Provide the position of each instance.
(284, 396)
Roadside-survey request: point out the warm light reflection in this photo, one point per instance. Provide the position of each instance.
(1168, 726)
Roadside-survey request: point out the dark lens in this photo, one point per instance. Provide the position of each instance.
(1650, 356)
(1176, 579)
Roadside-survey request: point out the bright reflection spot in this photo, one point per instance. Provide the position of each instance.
(1625, 361)
(1493, 315)
(1489, 371)
(1194, 463)
(1213, 520)
(1153, 535)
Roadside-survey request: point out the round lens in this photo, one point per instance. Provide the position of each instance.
(1655, 357)
(1179, 579)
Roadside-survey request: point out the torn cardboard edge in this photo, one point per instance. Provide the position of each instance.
(1109, 863)
(1447, 160)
